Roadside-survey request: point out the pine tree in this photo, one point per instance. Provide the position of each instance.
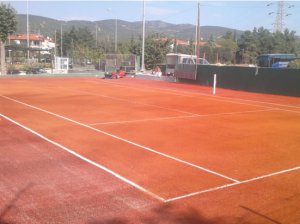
(8, 25)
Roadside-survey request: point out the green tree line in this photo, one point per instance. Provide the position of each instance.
(8, 25)
(262, 41)
(81, 45)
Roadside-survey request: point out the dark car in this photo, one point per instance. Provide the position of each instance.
(35, 71)
(13, 72)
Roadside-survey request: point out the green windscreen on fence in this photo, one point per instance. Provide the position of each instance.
(265, 80)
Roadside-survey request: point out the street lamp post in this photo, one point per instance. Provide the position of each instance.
(96, 35)
(198, 30)
(55, 43)
(143, 43)
(98, 29)
(27, 26)
(116, 31)
(61, 39)
(116, 36)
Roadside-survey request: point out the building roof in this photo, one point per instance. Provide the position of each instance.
(200, 43)
(32, 37)
(182, 42)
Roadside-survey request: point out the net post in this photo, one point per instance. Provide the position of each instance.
(215, 84)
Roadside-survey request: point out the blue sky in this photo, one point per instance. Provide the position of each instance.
(242, 15)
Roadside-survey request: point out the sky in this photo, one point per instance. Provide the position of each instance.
(241, 15)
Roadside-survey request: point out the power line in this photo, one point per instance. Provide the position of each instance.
(278, 26)
(280, 15)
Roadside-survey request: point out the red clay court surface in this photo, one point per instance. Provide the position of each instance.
(91, 150)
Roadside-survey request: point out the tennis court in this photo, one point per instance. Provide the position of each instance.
(92, 150)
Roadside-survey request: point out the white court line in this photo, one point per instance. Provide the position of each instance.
(179, 117)
(87, 160)
(142, 120)
(215, 97)
(165, 108)
(128, 101)
(232, 184)
(205, 94)
(125, 140)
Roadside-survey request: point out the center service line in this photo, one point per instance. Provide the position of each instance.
(232, 184)
(127, 141)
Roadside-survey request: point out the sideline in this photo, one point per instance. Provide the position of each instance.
(86, 159)
(124, 140)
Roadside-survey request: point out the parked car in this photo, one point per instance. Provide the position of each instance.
(15, 72)
(36, 71)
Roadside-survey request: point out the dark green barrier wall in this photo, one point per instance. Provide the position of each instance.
(265, 80)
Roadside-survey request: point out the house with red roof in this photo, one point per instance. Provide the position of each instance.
(36, 41)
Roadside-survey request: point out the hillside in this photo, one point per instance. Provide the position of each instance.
(126, 30)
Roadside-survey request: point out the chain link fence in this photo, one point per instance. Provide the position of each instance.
(112, 62)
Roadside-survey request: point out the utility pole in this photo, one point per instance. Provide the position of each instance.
(198, 30)
(55, 43)
(61, 41)
(116, 35)
(116, 31)
(27, 26)
(143, 41)
(61, 38)
(96, 35)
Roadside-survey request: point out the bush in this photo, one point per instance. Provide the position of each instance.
(294, 64)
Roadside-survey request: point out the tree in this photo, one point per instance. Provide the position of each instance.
(156, 48)
(228, 48)
(79, 44)
(123, 47)
(248, 47)
(294, 64)
(70, 39)
(262, 41)
(135, 47)
(8, 25)
(185, 49)
(209, 50)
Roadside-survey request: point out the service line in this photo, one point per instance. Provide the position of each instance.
(125, 140)
(180, 117)
(256, 103)
(189, 114)
(235, 182)
(143, 120)
(232, 184)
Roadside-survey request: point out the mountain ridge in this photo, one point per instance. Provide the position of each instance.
(126, 30)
